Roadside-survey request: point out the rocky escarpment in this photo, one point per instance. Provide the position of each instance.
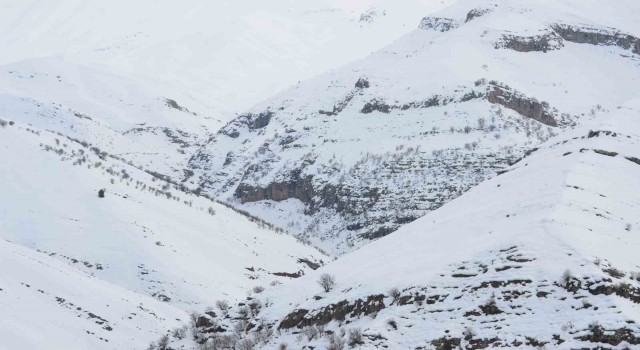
(250, 121)
(427, 188)
(364, 149)
(554, 39)
(489, 298)
(439, 24)
(295, 186)
(333, 191)
(335, 312)
(543, 42)
(475, 13)
(495, 93)
(597, 36)
(526, 106)
(361, 84)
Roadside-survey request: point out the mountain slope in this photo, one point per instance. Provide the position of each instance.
(53, 305)
(114, 113)
(543, 255)
(359, 151)
(68, 254)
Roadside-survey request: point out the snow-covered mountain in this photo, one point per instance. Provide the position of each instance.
(117, 272)
(460, 173)
(226, 55)
(359, 151)
(543, 256)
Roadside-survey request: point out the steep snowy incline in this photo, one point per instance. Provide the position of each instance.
(47, 304)
(145, 235)
(544, 255)
(226, 55)
(354, 154)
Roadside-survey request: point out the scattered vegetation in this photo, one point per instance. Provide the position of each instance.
(327, 282)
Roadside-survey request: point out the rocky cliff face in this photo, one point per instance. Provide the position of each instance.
(542, 43)
(598, 36)
(437, 23)
(525, 106)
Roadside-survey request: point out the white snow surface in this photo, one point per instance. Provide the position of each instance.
(119, 256)
(123, 95)
(226, 55)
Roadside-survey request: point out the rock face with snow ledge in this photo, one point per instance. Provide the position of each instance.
(544, 255)
(445, 107)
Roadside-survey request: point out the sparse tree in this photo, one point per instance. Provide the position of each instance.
(336, 342)
(163, 342)
(223, 306)
(245, 344)
(481, 123)
(391, 322)
(468, 333)
(394, 293)
(327, 282)
(355, 337)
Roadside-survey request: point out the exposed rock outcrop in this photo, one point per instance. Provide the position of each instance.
(251, 121)
(475, 13)
(376, 105)
(362, 83)
(597, 36)
(334, 312)
(528, 107)
(439, 24)
(539, 43)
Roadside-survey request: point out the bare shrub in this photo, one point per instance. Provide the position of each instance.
(327, 282)
(468, 333)
(567, 276)
(245, 344)
(163, 342)
(355, 337)
(223, 306)
(180, 332)
(336, 342)
(481, 123)
(258, 289)
(311, 332)
(394, 293)
(244, 312)
(391, 322)
(255, 306)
